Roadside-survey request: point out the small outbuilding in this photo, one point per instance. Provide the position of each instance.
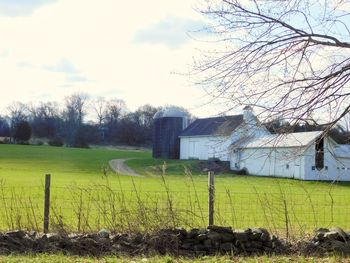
(303, 155)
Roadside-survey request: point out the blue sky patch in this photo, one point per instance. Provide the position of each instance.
(21, 7)
(64, 66)
(171, 31)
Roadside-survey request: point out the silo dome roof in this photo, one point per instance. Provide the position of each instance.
(170, 112)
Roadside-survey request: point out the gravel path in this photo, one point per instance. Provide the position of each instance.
(119, 166)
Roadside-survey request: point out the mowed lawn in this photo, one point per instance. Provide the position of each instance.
(86, 196)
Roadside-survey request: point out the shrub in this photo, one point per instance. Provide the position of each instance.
(56, 141)
(23, 132)
(39, 143)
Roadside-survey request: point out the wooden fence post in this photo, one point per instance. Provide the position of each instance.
(47, 203)
(211, 197)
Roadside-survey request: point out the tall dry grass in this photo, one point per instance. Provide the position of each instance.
(86, 209)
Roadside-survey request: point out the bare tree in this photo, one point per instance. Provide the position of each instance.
(17, 112)
(290, 59)
(115, 110)
(73, 115)
(75, 107)
(44, 118)
(99, 107)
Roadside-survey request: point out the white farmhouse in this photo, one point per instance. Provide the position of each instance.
(248, 145)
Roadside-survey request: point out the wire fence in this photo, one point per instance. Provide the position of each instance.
(85, 209)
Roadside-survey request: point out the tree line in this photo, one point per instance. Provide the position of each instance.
(67, 124)
(112, 123)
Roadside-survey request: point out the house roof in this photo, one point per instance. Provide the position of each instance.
(297, 139)
(217, 126)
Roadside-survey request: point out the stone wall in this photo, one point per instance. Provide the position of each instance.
(211, 240)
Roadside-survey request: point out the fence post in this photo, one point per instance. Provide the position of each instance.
(47, 202)
(211, 196)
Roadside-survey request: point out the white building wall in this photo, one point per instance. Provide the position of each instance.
(205, 147)
(293, 162)
(246, 132)
(282, 162)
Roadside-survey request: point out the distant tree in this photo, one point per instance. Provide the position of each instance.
(115, 110)
(143, 118)
(4, 127)
(75, 108)
(73, 115)
(23, 132)
(17, 112)
(99, 107)
(129, 131)
(278, 126)
(92, 133)
(44, 119)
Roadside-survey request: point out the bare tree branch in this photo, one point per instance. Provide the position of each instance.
(287, 58)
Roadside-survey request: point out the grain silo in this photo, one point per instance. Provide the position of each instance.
(168, 124)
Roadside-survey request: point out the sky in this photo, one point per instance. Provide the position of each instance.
(138, 51)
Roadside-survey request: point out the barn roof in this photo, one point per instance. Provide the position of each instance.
(296, 139)
(217, 126)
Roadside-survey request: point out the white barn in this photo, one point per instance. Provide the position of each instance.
(247, 145)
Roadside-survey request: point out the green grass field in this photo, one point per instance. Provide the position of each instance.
(84, 199)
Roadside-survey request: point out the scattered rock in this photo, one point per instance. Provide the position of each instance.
(220, 229)
(103, 233)
(16, 234)
(330, 240)
(331, 235)
(241, 236)
(214, 236)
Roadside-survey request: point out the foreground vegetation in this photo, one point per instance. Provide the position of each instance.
(86, 195)
(166, 259)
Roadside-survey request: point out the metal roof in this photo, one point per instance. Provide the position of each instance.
(217, 126)
(297, 139)
(170, 112)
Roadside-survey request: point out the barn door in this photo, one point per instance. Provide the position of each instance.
(192, 149)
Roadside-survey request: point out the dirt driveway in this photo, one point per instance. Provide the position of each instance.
(119, 166)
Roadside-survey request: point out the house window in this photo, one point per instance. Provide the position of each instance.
(319, 156)
(287, 166)
(313, 168)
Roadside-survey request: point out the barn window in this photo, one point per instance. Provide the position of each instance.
(319, 156)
